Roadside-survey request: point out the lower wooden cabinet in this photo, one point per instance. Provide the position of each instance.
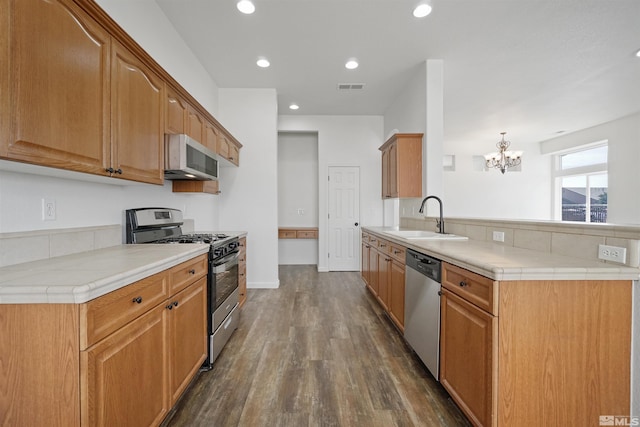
(468, 357)
(383, 273)
(124, 377)
(242, 271)
(122, 359)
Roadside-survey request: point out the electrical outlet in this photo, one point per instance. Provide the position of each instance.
(612, 253)
(300, 211)
(48, 210)
(498, 236)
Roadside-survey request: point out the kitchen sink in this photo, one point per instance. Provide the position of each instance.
(423, 235)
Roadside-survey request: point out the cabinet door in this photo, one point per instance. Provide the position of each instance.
(242, 271)
(365, 262)
(385, 174)
(123, 377)
(195, 125)
(210, 137)
(396, 293)
(373, 271)
(384, 270)
(393, 170)
(59, 71)
(187, 335)
(234, 154)
(137, 125)
(175, 112)
(468, 357)
(223, 146)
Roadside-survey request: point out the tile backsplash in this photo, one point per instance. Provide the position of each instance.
(19, 247)
(562, 238)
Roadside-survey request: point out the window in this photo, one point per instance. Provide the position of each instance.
(582, 184)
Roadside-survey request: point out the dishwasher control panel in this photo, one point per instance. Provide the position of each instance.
(424, 264)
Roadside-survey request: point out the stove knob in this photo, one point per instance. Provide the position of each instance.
(217, 252)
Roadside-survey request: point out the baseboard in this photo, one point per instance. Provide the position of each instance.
(323, 269)
(263, 285)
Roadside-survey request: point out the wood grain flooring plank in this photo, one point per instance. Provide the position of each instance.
(318, 351)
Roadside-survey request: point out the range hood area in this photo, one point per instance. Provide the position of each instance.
(187, 159)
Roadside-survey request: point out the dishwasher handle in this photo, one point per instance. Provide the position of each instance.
(424, 264)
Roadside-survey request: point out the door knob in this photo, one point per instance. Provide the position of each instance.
(356, 224)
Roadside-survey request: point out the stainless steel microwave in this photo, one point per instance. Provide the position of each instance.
(186, 158)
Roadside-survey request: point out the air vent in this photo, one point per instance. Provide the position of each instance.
(350, 86)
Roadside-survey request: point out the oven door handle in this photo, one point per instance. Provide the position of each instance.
(228, 261)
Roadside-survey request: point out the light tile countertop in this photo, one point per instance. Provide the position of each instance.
(84, 276)
(500, 262)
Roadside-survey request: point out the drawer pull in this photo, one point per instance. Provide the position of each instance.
(170, 307)
(172, 304)
(396, 252)
(382, 245)
(137, 300)
(463, 283)
(175, 303)
(192, 271)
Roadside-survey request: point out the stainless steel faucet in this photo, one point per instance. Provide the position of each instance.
(440, 222)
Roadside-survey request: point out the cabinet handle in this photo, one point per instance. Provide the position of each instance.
(382, 245)
(241, 274)
(175, 303)
(110, 170)
(396, 252)
(170, 307)
(192, 271)
(463, 283)
(137, 300)
(440, 293)
(119, 171)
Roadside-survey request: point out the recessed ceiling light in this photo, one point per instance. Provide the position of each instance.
(422, 10)
(246, 7)
(351, 64)
(294, 106)
(263, 62)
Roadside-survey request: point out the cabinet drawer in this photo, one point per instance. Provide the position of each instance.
(478, 290)
(398, 252)
(307, 234)
(286, 234)
(102, 316)
(186, 273)
(382, 245)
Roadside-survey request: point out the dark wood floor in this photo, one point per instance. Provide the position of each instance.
(318, 351)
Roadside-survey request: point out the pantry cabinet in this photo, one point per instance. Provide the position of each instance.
(402, 166)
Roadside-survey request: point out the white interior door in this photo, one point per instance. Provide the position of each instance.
(344, 218)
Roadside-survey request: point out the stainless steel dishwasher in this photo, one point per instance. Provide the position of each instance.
(422, 308)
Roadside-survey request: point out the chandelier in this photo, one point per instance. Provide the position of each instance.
(503, 159)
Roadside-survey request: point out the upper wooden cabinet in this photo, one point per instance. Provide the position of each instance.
(137, 124)
(79, 94)
(195, 125)
(402, 166)
(175, 112)
(60, 87)
(228, 149)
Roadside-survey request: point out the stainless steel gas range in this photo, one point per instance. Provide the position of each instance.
(164, 226)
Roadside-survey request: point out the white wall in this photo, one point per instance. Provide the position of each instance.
(249, 199)
(298, 194)
(623, 136)
(344, 141)
(147, 24)
(82, 203)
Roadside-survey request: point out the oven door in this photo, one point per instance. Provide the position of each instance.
(225, 273)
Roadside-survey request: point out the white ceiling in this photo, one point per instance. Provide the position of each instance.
(531, 68)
